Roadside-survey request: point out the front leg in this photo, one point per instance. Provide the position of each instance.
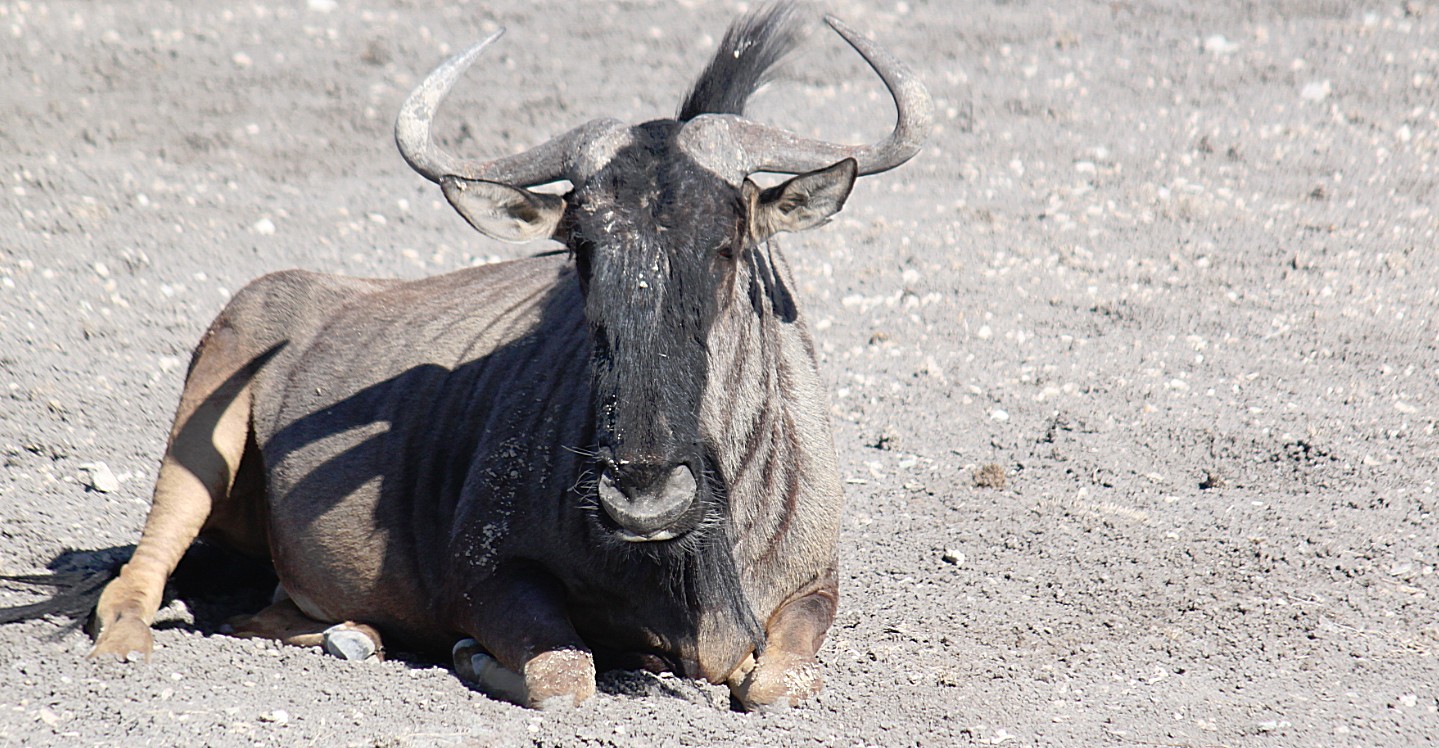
(787, 672)
(519, 619)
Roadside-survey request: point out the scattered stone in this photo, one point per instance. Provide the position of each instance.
(348, 644)
(999, 415)
(1316, 91)
(176, 611)
(279, 717)
(376, 53)
(97, 476)
(264, 227)
(953, 556)
(1218, 45)
(1212, 480)
(990, 475)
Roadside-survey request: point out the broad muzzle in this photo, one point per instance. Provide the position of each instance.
(650, 510)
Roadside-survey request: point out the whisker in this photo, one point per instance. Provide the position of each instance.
(581, 451)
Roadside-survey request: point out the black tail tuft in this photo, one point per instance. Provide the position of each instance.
(77, 577)
(752, 46)
(217, 583)
(76, 593)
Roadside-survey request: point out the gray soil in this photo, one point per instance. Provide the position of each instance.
(1133, 368)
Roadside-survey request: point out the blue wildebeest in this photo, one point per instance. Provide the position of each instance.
(617, 452)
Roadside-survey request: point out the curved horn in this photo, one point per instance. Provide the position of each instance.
(549, 162)
(735, 146)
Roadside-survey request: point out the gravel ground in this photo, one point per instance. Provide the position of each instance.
(1134, 367)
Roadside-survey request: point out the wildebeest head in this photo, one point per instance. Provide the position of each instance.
(659, 217)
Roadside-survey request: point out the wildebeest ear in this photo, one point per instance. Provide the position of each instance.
(804, 202)
(504, 212)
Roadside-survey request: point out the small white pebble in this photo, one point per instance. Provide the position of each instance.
(1218, 45)
(264, 227)
(1316, 91)
(999, 415)
(97, 476)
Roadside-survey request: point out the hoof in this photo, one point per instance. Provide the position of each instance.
(555, 679)
(348, 643)
(125, 639)
(559, 678)
(475, 666)
(776, 686)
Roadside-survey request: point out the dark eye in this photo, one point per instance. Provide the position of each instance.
(583, 251)
(725, 250)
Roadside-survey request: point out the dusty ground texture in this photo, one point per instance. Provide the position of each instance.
(1171, 268)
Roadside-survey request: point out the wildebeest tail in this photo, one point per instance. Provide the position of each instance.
(752, 46)
(75, 594)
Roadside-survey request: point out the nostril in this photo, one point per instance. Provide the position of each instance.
(608, 489)
(681, 483)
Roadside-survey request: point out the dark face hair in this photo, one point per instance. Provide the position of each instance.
(653, 236)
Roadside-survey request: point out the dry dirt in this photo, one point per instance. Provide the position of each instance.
(1172, 266)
